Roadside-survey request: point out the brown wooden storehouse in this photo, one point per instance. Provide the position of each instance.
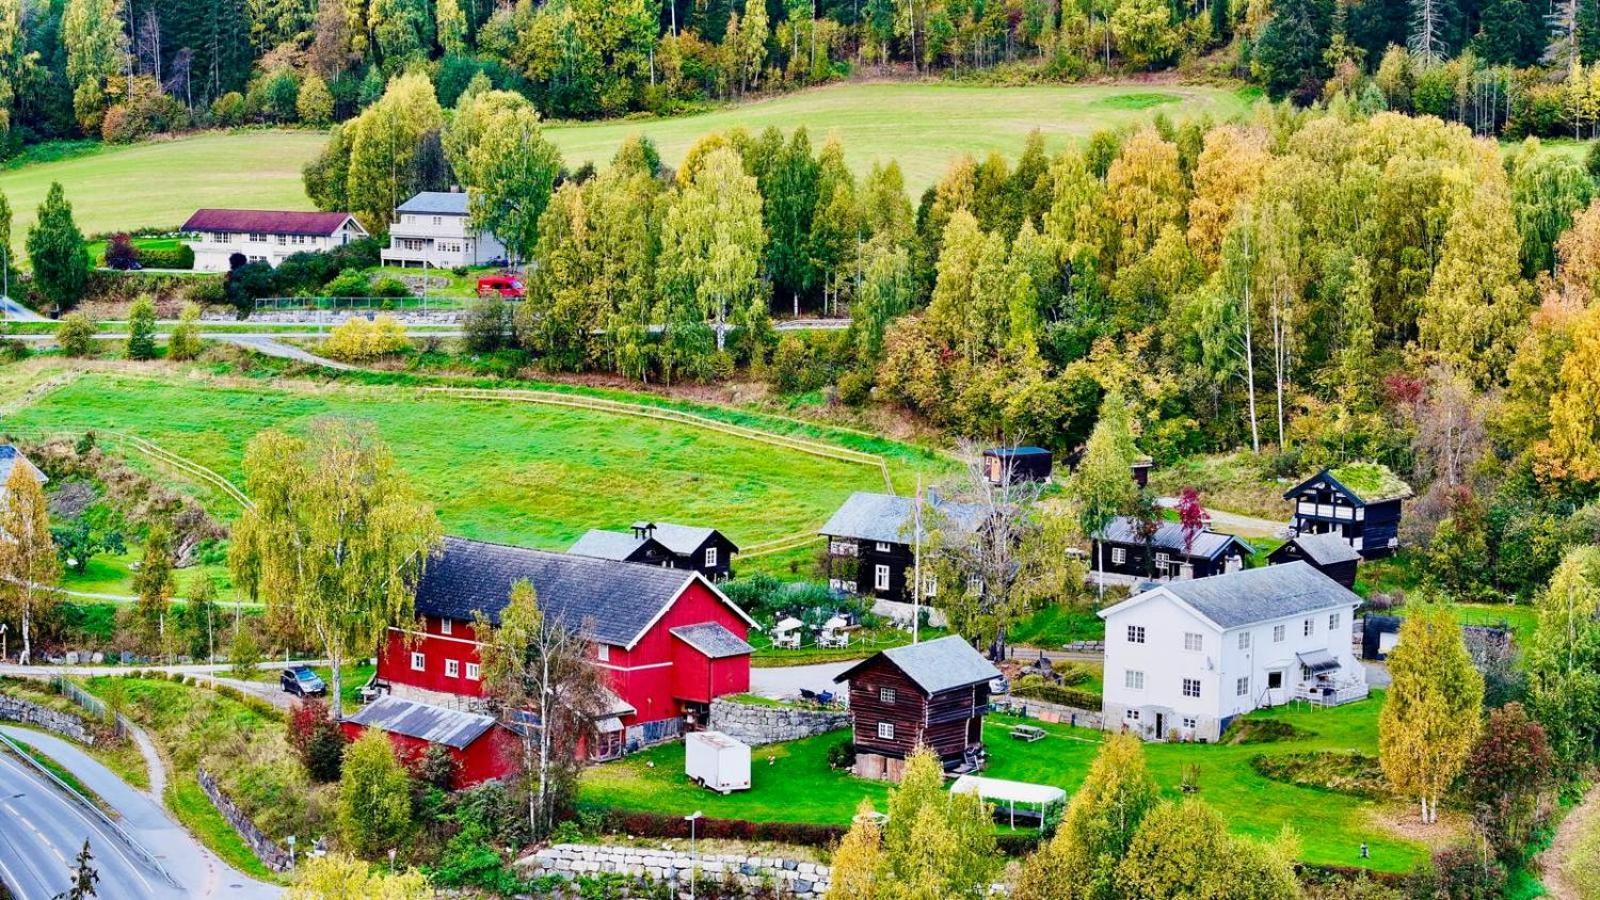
(933, 693)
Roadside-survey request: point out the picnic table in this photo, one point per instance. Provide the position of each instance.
(1029, 733)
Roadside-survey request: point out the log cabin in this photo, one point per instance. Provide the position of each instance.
(1327, 553)
(1169, 554)
(931, 694)
(1358, 502)
(872, 538)
(703, 550)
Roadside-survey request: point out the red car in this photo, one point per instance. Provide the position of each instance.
(507, 286)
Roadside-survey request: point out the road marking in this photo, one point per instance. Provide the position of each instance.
(95, 828)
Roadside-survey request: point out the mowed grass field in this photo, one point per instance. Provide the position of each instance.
(161, 183)
(518, 473)
(923, 125)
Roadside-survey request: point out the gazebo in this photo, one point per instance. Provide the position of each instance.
(1035, 799)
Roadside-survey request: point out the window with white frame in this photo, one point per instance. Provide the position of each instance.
(452, 668)
(880, 577)
(885, 731)
(1133, 680)
(1163, 558)
(1277, 634)
(1188, 723)
(1244, 640)
(1118, 556)
(602, 652)
(711, 556)
(1193, 641)
(1242, 686)
(881, 547)
(1307, 627)
(930, 585)
(418, 662)
(886, 695)
(1131, 715)
(1135, 634)
(975, 584)
(445, 626)
(472, 671)
(257, 237)
(1191, 687)
(1333, 621)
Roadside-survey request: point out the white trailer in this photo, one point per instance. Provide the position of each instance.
(713, 760)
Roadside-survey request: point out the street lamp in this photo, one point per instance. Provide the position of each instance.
(693, 857)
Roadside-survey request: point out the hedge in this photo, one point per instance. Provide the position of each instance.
(179, 257)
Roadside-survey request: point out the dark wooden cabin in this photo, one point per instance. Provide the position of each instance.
(1119, 550)
(1327, 553)
(931, 694)
(1002, 465)
(703, 550)
(871, 541)
(1358, 502)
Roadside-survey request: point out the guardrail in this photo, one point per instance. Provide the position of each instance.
(138, 848)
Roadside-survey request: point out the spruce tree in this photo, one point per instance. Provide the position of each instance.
(57, 250)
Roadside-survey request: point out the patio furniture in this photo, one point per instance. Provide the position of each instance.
(1029, 733)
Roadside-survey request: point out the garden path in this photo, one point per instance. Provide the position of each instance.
(1583, 817)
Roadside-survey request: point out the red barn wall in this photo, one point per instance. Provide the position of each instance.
(493, 755)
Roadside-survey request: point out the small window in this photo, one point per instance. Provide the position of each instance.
(1242, 686)
(885, 731)
(452, 668)
(881, 547)
(602, 652)
(283, 240)
(1118, 556)
(1163, 558)
(974, 584)
(1131, 715)
(1191, 687)
(1333, 621)
(472, 671)
(1277, 634)
(886, 695)
(418, 662)
(1193, 641)
(880, 577)
(1132, 680)
(445, 626)
(1307, 627)
(930, 585)
(1188, 723)
(1244, 640)
(1135, 634)
(711, 557)
(1274, 681)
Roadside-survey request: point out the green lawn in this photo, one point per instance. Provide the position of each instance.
(797, 786)
(1053, 626)
(161, 183)
(112, 573)
(923, 125)
(97, 249)
(515, 472)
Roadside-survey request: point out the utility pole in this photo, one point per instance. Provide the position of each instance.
(916, 568)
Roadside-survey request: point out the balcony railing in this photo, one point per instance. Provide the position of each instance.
(1337, 695)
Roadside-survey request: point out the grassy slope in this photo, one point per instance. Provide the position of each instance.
(512, 472)
(799, 787)
(921, 125)
(161, 183)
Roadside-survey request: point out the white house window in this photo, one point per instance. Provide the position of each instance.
(1242, 686)
(283, 240)
(1191, 687)
(418, 662)
(1277, 634)
(1118, 556)
(1188, 723)
(1193, 641)
(881, 547)
(602, 652)
(445, 625)
(438, 220)
(1333, 621)
(1162, 559)
(472, 671)
(452, 668)
(257, 237)
(886, 695)
(1135, 634)
(1132, 680)
(1244, 640)
(885, 731)
(1307, 627)
(711, 556)
(1131, 715)
(880, 577)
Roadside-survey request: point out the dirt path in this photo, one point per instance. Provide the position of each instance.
(152, 761)
(1583, 816)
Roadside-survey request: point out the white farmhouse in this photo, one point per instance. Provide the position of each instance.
(224, 237)
(432, 230)
(1184, 658)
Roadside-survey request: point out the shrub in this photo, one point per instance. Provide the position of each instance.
(179, 257)
(436, 767)
(1261, 731)
(842, 755)
(317, 740)
(359, 339)
(228, 110)
(120, 251)
(485, 325)
(142, 329)
(184, 343)
(391, 288)
(349, 283)
(314, 104)
(76, 334)
(244, 653)
(1461, 873)
(374, 796)
(469, 861)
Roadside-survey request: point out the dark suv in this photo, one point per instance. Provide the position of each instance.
(300, 680)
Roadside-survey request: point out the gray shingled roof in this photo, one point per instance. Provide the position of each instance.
(605, 544)
(1249, 596)
(713, 640)
(9, 457)
(1207, 543)
(1326, 549)
(937, 665)
(435, 724)
(612, 602)
(885, 517)
(436, 203)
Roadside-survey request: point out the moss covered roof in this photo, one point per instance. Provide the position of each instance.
(1372, 482)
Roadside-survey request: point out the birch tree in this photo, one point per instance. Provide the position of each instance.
(1103, 487)
(29, 566)
(1563, 659)
(1430, 718)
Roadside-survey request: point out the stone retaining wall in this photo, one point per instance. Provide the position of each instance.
(757, 725)
(800, 880)
(266, 849)
(16, 709)
(1045, 711)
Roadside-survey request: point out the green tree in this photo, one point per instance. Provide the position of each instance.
(1563, 659)
(1183, 850)
(1573, 448)
(84, 876)
(937, 845)
(155, 583)
(96, 46)
(314, 102)
(374, 809)
(509, 177)
(58, 252)
(401, 29)
(1103, 487)
(12, 66)
(451, 23)
(184, 342)
(142, 329)
(76, 334)
(790, 196)
(1546, 192)
(336, 540)
(29, 564)
(1430, 716)
(1291, 51)
(200, 617)
(8, 268)
(386, 144)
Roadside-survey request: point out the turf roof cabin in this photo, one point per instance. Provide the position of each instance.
(872, 542)
(703, 550)
(932, 694)
(1329, 554)
(1169, 555)
(1357, 502)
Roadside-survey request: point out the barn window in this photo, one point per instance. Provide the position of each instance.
(711, 556)
(1277, 634)
(602, 652)
(886, 695)
(886, 731)
(472, 671)
(1118, 556)
(1135, 634)
(445, 625)
(452, 668)
(1191, 687)
(418, 662)
(1133, 680)
(880, 578)
(1193, 641)
(1242, 686)
(1244, 640)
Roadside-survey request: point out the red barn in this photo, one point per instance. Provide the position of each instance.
(668, 640)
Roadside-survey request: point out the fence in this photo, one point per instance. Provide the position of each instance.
(358, 304)
(93, 704)
(150, 450)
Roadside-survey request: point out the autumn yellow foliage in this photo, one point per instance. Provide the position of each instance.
(358, 339)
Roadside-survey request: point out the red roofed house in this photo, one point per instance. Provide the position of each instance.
(227, 236)
(667, 639)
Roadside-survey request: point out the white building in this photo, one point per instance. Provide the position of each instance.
(1183, 659)
(432, 230)
(224, 237)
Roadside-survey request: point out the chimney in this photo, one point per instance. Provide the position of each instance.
(644, 531)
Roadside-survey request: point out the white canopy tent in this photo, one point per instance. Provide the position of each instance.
(1010, 794)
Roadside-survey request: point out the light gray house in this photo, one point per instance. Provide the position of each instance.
(432, 230)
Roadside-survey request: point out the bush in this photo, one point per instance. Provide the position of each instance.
(317, 740)
(1461, 873)
(179, 257)
(436, 767)
(228, 110)
(469, 861)
(76, 334)
(142, 329)
(485, 326)
(349, 284)
(1329, 770)
(391, 288)
(359, 339)
(184, 343)
(374, 796)
(1260, 731)
(244, 653)
(842, 756)
(120, 252)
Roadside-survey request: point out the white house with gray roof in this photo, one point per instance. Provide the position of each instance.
(12, 458)
(1186, 657)
(433, 230)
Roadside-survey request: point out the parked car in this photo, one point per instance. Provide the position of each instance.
(507, 286)
(302, 682)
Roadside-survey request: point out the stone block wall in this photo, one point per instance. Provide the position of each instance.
(266, 849)
(791, 878)
(15, 709)
(757, 725)
(1057, 713)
